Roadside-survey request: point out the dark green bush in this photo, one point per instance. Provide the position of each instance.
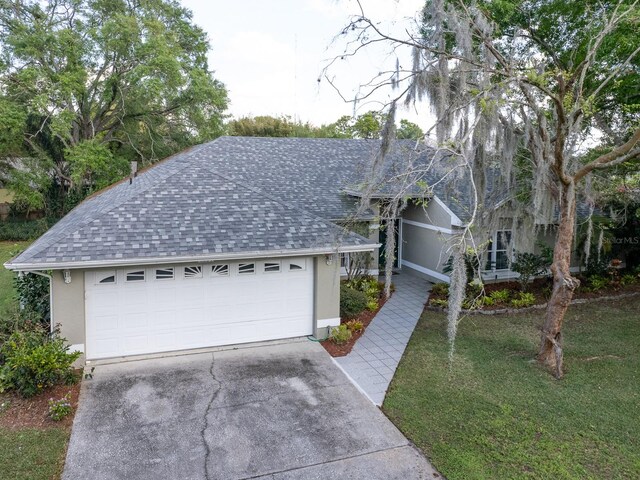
(34, 362)
(352, 301)
(33, 296)
(528, 265)
(18, 230)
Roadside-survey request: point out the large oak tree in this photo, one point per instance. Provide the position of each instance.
(553, 77)
(88, 85)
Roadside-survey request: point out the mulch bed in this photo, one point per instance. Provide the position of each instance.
(34, 412)
(365, 317)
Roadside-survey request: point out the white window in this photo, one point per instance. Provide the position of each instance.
(194, 271)
(271, 266)
(166, 273)
(344, 260)
(135, 276)
(499, 252)
(220, 270)
(246, 268)
(106, 277)
(299, 265)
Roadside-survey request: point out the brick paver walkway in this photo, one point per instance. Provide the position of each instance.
(375, 356)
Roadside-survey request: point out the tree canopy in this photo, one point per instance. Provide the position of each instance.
(556, 79)
(88, 85)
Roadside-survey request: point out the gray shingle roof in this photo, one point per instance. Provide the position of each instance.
(183, 208)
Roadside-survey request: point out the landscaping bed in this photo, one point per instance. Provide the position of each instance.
(494, 412)
(340, 350)
(361, 298)
(508, 296)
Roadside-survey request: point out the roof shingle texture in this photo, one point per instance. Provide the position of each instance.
(196, 203)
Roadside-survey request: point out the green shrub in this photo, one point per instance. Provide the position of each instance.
(440, 289)
(523, 300)
(33, 295)
(628, 279)
(528, 265)
(488, 301)
(34, 362)
(372, 305)
(438, 302)
(595, 283)
(340, 334)
(370, 286)
(500, 296)
(19, 230)
(58, 409)
(352, 301)
(355, 326)
(597, 267)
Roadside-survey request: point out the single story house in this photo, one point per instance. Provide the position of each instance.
(233, 241)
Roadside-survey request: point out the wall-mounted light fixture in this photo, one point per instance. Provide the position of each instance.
(328, 258)
(67, 276)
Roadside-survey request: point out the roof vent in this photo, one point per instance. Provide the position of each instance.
(134, 171)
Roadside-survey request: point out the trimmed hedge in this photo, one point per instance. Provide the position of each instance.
(352, 301)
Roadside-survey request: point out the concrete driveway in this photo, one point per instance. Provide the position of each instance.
(270, 412)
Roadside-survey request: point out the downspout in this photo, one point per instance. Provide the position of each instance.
(42, 274)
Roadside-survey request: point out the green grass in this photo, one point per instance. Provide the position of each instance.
(7, 293)
(497, 414)
(32, 454)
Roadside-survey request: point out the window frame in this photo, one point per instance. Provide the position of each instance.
(301, 265)
(493, 250)
(272, 267)
(224, 267)
(135, 272)
(107, 274)
(192, 275)
(245, 265)
(165, 269)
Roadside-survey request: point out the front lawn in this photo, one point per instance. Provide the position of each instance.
(32, 454)
(497, 414)
(7, 293)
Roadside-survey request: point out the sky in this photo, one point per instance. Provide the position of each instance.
(270, 54)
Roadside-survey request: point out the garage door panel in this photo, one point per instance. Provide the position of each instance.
(128, 318)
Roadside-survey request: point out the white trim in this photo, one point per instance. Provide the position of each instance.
(76, 347)
(455, 221)
(400, 233)
(190, 259)
(428, 226)
(328, 322)
(427, 271)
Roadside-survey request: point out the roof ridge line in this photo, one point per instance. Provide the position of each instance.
(58, 237)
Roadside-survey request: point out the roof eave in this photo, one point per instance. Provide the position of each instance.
(122, 262)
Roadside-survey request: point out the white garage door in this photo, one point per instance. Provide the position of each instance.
(176, 307)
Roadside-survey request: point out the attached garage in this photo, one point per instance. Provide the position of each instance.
(142, 310)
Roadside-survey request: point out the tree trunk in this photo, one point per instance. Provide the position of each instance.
(564, 284)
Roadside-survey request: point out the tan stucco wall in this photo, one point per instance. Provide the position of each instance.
(433, 214)
(326, 294)
(68, 306)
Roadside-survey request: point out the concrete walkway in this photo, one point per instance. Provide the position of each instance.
(375, 356)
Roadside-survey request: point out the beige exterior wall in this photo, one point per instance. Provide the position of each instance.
(422, 249)
(68, 307)
(326, 308)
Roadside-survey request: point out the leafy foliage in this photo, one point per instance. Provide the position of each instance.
(59, 409)
(34, 362)
(523, 300)
(440, 289)
(88, 86)
(17, 230)
(528, 265)
(33, 296)
(352, 301)
(500, 296)
(340, 334)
